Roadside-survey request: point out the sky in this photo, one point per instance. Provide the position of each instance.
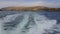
(47, 3)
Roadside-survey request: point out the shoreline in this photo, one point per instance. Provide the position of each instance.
(35, 8)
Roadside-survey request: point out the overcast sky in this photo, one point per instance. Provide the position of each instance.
(48, 3)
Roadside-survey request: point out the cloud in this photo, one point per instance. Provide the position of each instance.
(52, 4)
(11, 3)
(34, 3)
(43, 3)
(8, 3)
(47, 4)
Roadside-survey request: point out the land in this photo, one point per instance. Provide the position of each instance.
(35, 8)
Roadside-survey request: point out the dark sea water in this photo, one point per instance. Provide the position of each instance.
(22, 22)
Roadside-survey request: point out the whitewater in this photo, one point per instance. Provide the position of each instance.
(26, 23)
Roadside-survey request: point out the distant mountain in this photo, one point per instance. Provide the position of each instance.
(34, 8)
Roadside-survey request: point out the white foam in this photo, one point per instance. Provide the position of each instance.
(41, 21)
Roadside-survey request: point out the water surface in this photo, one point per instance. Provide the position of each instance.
(15, 22)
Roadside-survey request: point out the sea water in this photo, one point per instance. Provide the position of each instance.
(15, 22)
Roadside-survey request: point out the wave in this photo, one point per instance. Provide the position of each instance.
(25, 23)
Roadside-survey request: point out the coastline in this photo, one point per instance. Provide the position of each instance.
(36, 8)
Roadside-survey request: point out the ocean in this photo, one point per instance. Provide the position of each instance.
(28, 22)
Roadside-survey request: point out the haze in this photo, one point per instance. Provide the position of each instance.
(48, 3)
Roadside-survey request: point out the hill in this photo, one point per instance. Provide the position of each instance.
(35, 8)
